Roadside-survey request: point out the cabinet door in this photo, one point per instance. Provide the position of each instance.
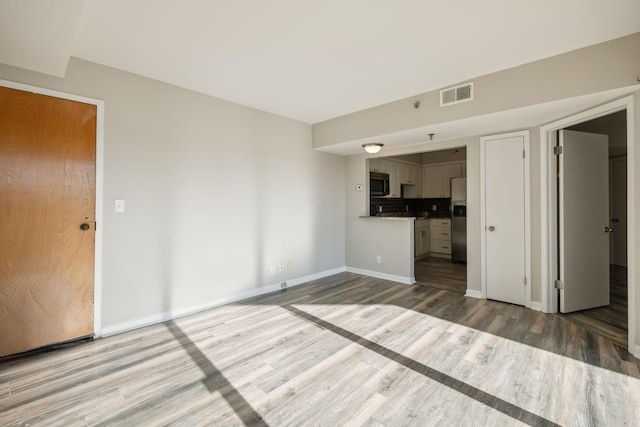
(448, 172)
(403, 171)
(375, 165)
(424, 240)
(412, 173)
(394, 179)
(432, 182)
(421, 240)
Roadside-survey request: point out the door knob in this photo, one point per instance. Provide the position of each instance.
(491, 228)
(608, 230)
(85, 226)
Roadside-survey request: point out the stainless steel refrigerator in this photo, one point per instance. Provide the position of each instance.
(459, 219)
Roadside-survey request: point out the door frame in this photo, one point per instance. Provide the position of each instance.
(549, 208)
(97, 276)
(527, 212)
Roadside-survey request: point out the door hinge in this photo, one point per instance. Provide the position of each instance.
(559, 284)
(557, 150)
(525, 280)
(524, 154)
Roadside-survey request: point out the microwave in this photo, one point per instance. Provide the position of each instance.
(379, 184)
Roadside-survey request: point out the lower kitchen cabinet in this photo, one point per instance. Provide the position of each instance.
(421, 240)
(440, 237)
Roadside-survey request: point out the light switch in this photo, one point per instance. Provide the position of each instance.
(119, 206)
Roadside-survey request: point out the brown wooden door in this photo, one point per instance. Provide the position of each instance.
(47, 191)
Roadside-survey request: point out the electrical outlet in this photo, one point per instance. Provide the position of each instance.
(379, 259)
(289, 265)
(434, 207)
(281, 268)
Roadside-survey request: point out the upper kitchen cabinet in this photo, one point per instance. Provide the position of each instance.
(394, 178)
(399, 173)
(409, 174)
(377, 165)
(436, 179)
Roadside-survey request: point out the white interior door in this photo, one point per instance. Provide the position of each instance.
(583, 220)
(504, 225)
(618, 195)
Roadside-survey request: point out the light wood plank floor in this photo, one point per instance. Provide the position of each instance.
(441, 273)
(344, 350)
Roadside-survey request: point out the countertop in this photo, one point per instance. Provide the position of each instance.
(395, 218)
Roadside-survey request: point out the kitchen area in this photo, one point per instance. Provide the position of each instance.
(430, 187)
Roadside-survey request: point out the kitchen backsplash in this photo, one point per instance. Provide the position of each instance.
(443, 206)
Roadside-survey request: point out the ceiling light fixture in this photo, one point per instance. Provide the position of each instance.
(372, 148)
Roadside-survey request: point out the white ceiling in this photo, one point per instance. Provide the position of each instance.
(308, 60)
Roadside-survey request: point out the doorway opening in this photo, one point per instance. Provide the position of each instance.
(611, 320)
(430, 186)
(608, 321)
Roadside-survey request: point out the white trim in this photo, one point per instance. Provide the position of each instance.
(474, 294)
(527, 211)
(97, 275)
(536, 305)
(384, 276)
(548, 207)
(173, 314)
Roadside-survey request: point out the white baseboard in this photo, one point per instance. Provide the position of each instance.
(473, 293)
(535, 305)
(173, 314)
(384, 276)
(636, 352)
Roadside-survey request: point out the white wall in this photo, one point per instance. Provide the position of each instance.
(215, 193)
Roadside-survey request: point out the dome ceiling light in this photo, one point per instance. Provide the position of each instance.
(372, 148)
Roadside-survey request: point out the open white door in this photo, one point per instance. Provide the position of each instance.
(583, 221)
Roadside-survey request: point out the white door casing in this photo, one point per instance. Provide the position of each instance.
(548, 208)
(583, 220)
(505, 218)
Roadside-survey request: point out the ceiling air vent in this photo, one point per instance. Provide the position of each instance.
(456, 95)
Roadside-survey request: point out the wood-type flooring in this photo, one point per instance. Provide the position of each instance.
(441, 273)
(610, 321)
(346, 350)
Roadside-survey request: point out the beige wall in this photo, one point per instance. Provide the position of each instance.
(215, 193)
(597, 68)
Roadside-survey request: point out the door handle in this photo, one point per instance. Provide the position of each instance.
(84, 226)
(608, 230)
(491, 228)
